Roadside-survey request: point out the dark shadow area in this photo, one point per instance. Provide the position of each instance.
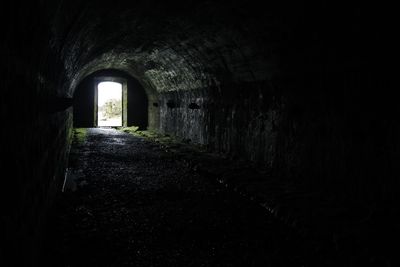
(303, 92)
(84, 100)
(169, 215)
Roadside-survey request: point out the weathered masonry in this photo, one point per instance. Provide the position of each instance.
(302, 89)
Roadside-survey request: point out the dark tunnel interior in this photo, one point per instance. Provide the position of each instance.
(289, 106)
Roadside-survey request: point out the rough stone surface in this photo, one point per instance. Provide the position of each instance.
(303, 89)
(137, 205)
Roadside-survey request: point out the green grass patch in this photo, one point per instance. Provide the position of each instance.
(80, 135)
(131, 129)
(134, 130)
(165, 140)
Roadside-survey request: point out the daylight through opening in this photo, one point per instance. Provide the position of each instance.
(109, 104)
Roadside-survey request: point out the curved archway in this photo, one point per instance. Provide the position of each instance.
(135, 99)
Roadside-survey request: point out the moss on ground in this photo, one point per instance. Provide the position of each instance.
(80, 135)
(134, 130)
(172, 143)
(131, 129)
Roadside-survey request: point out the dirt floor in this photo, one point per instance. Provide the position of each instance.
(128, 202)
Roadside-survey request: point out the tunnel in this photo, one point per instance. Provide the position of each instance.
(264, 134)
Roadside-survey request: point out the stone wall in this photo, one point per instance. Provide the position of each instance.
(36, 130)
(302, 89)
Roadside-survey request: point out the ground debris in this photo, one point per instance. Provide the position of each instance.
(139, 206)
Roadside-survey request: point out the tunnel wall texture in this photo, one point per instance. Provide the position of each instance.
(301, 89)
(36, 130)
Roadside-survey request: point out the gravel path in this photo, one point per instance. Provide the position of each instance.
(137, 205)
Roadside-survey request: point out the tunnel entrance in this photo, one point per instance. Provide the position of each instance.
(89, 101)
(109, 104)
(110, 101)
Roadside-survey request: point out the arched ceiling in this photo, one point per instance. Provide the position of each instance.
(168, 45)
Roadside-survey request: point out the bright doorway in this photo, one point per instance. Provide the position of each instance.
(109, 104)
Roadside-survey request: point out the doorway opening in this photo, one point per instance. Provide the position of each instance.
(109, 104)
(135, 107)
